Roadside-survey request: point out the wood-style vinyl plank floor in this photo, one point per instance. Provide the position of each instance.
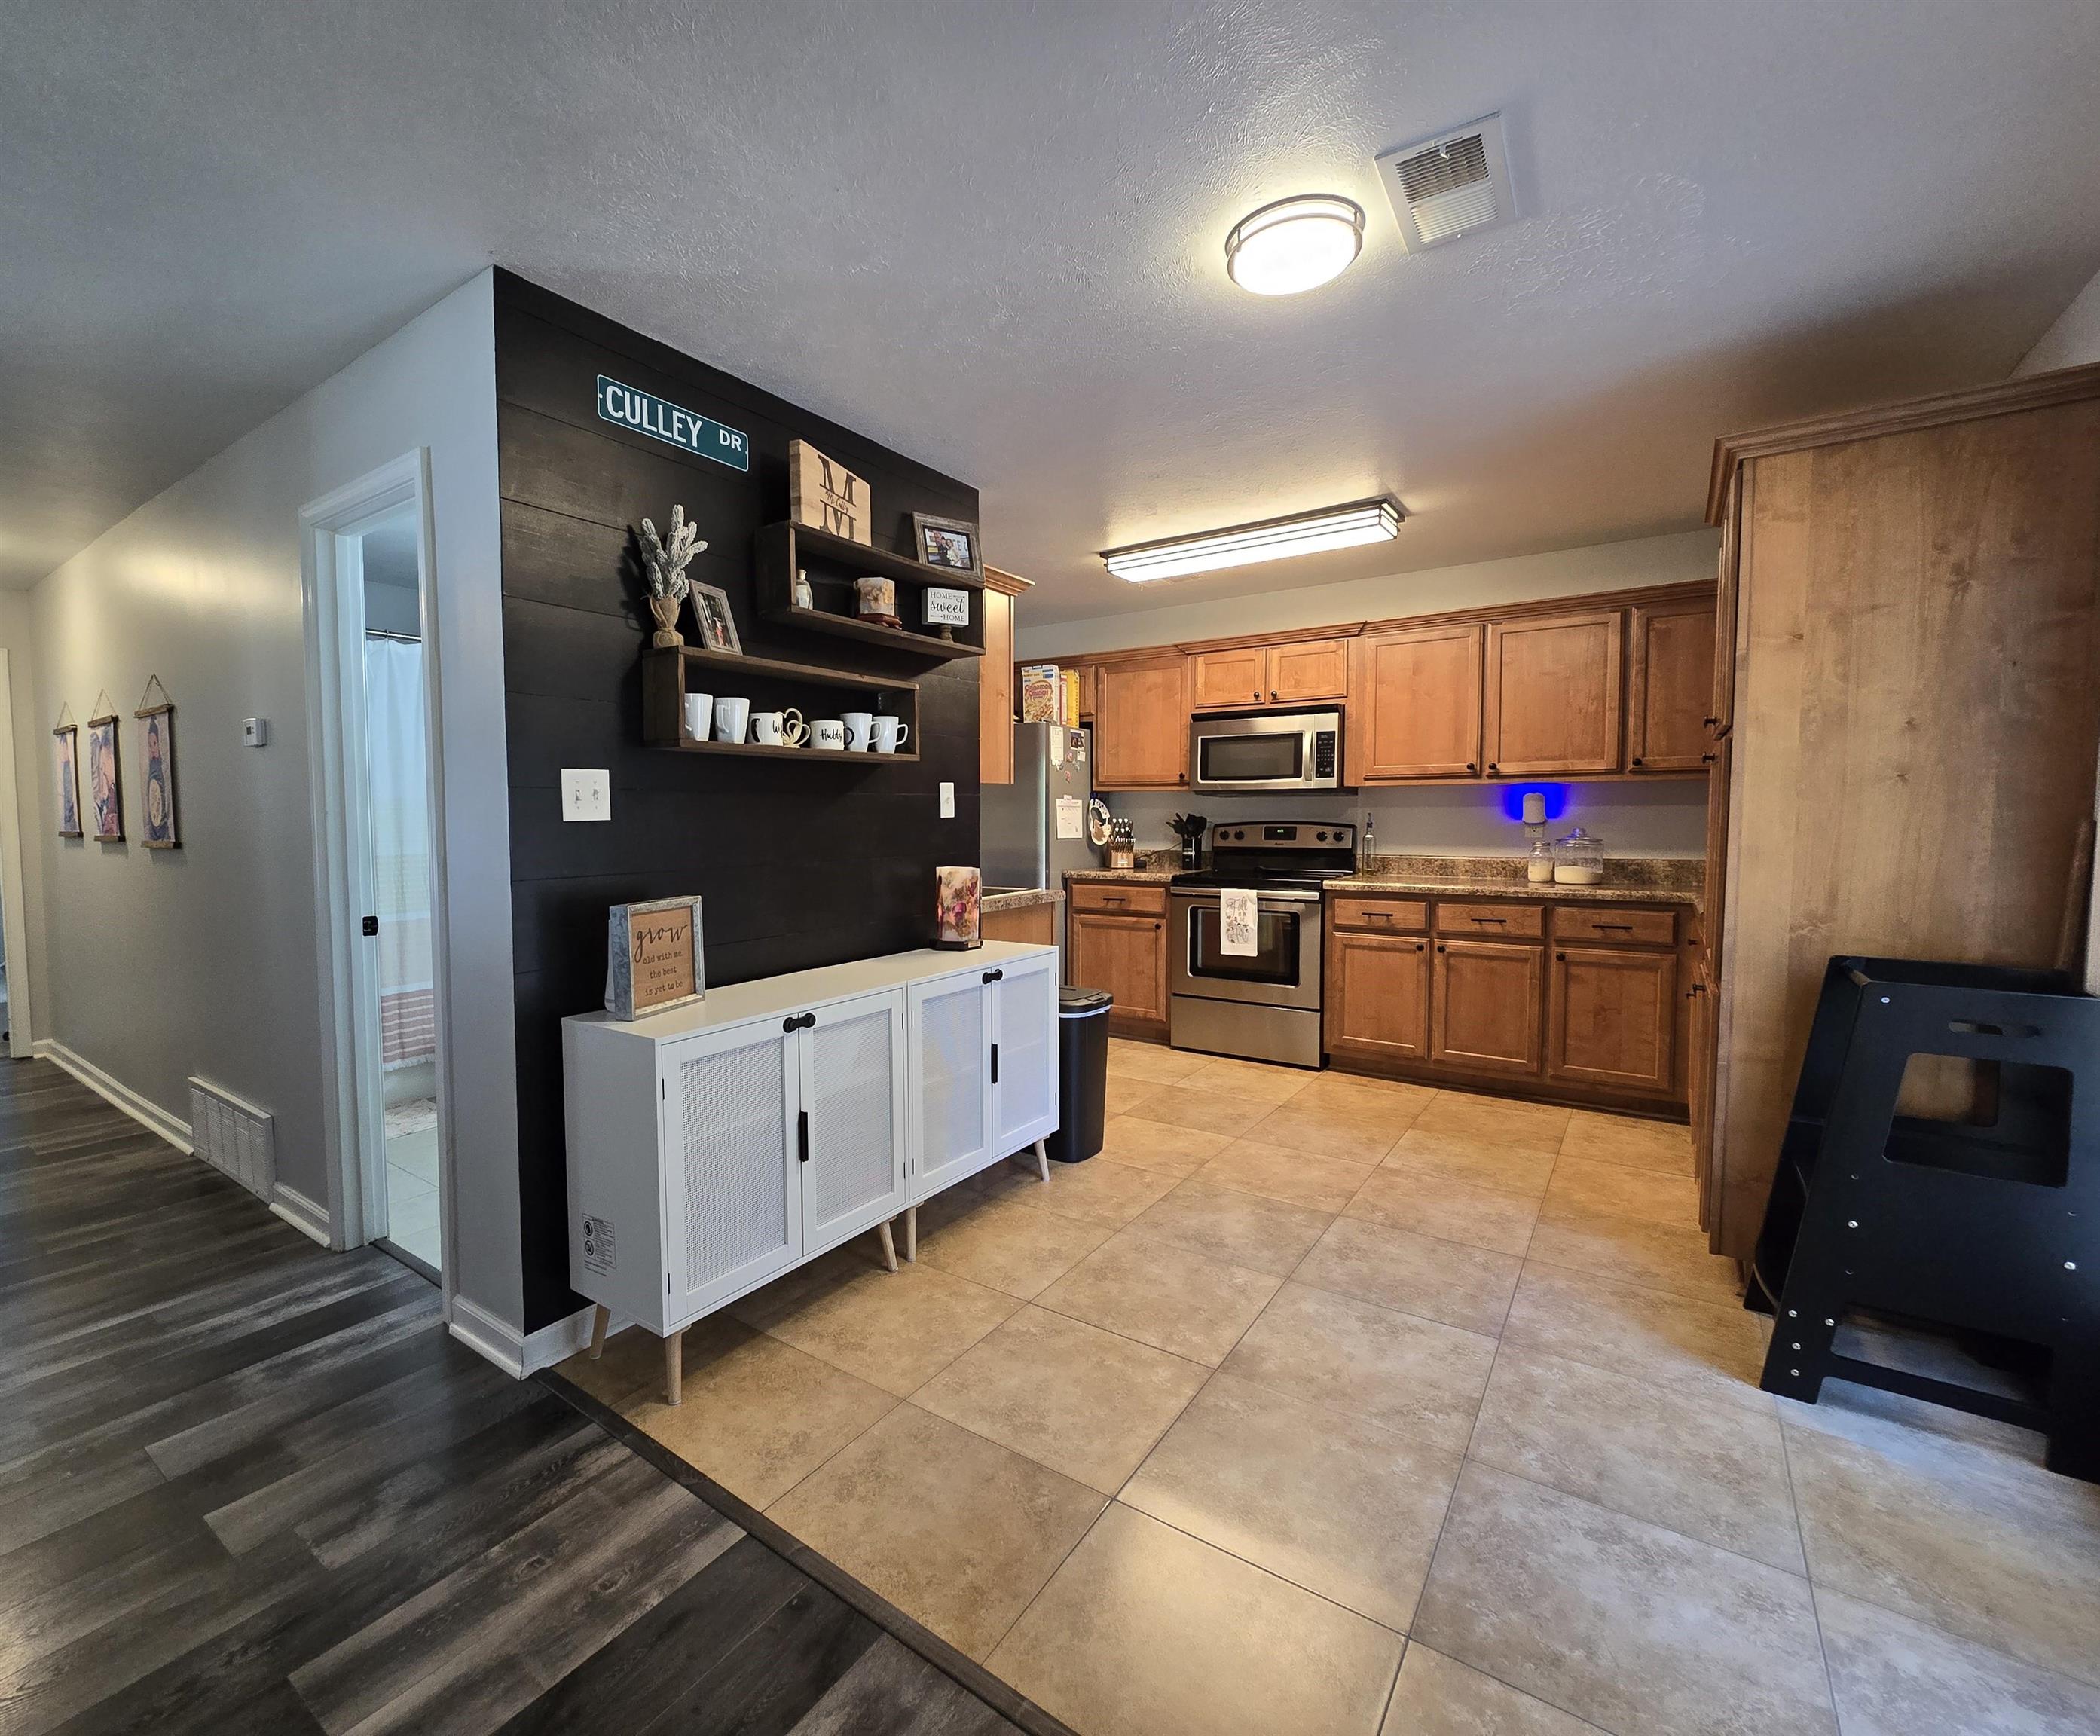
(248, 1485)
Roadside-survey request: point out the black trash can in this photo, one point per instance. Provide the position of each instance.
(1083, 1073)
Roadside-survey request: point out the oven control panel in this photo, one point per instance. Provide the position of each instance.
(1312, 834)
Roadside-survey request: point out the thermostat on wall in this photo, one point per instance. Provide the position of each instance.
(254, 731)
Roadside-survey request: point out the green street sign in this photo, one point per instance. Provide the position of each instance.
(629, 407)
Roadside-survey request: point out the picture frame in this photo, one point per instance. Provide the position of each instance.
(950, 544)
(105, 779)
(66, 748)
(653, 959)
(156, 769)
(717, 626)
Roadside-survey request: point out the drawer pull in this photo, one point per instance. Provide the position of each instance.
(993, 976)
(1106, 900)
(1503, 921)
(1613, 927)
(1378, 916)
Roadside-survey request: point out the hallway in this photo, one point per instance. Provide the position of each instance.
(248, 1485)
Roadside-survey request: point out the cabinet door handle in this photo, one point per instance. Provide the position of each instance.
(1708, 759)
(1494, 765)
(808, 1021)
(1472, 766)
(993, 976)
(994, 1063)
(1637, 760)
(1421, 946)
(802, 1135)
(1272, 696)
(1562, 957)
(1710, 722)
(790, 1022)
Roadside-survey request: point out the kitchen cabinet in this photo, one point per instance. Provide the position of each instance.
(714, 1147)
(1612, 1018)
(1554, 704)
(1721, 709)
(1296, 672)
(995, 682)
(1377, 994)
(1487, 1002)
(1414, 710)
(1116, 935)
(1670, 686)
(1141, 723)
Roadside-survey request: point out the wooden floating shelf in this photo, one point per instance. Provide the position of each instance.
(771, 669)
(849, 626)
(767, 751)
(843, 551)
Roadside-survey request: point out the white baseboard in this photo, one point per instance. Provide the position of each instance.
(517, 1354)
(302, 1213)
(147, 1113)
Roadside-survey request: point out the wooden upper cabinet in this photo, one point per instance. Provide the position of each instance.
(1295, 673)
(1308, 669)
(995, 682)
(1222, 680)
(1141, 723)
(1670, 686)
(1553, 694)
(1414, 707)
(1721, 709)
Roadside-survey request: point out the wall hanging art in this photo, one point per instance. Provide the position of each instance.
(105, 793)
(825, 495)
(157, 767)
(66, 747)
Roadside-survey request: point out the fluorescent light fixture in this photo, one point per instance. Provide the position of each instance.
(1375, 521)
(1295, 243)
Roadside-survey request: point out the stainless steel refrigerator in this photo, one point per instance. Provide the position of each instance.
(1032, 831)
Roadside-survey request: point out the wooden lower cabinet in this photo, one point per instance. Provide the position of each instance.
(1486, 999)
(1612, 1018)
(1125, 955)
(1377, 995)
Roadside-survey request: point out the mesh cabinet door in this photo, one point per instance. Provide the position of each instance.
(1025, 1026)
(951, 1080)
(853, 1084)
(731, 1191)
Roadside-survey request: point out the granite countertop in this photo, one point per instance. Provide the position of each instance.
(1630, 879)
(1027, 899)
(1132, 876)
(1458, 888)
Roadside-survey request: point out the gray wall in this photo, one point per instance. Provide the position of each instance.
(162, 963)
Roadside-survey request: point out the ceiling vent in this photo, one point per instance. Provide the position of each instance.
(1456, 184)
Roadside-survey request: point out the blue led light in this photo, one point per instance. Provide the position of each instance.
(1556, 795)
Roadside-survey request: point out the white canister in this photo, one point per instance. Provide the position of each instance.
(860, 726)
(891, 733)
(732, 719)
(699, 716)
(827, 734)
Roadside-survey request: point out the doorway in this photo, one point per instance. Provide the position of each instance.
(370, 608)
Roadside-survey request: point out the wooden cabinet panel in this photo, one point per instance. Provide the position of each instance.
(995, 690)
(1401, 915)
(1141, 723)
(1487, 1005)
(1491, 922)
(1119, 897)
(1615, 925)
(1669, 686)
(1613, 1018)
(1377, 995)
(1127, 956)
(1308, 669)
(1414, 708)
(1228, 680)
(1721, 706)
(1553, 694)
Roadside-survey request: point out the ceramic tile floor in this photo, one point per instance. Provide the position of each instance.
(1318, 1405)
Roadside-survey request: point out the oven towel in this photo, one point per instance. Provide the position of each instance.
(1239, 910)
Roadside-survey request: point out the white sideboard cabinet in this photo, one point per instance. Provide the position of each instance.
(716, 1146)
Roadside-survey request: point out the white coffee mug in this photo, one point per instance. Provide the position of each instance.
(829, 733)
(891, 733)
(859, 726)
(766, 728)
(732, 719)
(700, 715)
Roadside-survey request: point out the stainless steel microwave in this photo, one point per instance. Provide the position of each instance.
(1266, 751)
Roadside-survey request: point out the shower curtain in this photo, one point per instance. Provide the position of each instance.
(397, 773)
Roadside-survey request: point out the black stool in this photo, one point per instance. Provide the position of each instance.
(1984, 1227)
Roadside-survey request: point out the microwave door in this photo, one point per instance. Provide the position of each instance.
(1250, 761)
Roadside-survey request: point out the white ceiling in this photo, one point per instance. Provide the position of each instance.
(989, 235)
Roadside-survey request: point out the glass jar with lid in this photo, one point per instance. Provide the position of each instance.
(1538, 866)
(1578, 859)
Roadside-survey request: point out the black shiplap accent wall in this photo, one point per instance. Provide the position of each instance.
(799, 863)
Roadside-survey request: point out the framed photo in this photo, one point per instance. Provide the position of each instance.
(156, 773)
(652, 957)
(105, 794)
(67, 738)
(949, 543)
(718, 625)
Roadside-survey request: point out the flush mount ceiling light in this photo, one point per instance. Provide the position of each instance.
(1295, 243)
(1374, 521)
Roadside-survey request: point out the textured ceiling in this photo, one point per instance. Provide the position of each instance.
(989, 234)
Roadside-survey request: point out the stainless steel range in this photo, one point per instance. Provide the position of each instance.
(1265, 1006)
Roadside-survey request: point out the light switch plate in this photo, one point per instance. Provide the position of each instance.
(947, 801)
(255, 732)
(586, 795)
